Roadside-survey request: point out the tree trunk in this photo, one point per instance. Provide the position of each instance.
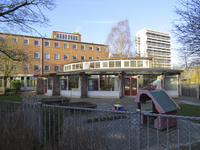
(5, 88)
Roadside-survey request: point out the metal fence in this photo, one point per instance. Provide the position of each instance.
(190, 90)
(61, 127)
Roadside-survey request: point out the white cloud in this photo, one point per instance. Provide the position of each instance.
(100, 22)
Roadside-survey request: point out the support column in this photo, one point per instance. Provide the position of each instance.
(84, 88)
(40, 86)
(179, 85)
(122, 85)
(56, 85)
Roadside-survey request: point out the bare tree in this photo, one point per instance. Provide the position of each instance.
(11, 67)
(187, 24)
(119, 39)
(24, 15)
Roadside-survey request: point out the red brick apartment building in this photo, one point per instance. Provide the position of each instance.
(48, 55)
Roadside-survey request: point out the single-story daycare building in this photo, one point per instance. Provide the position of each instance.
(108, 78)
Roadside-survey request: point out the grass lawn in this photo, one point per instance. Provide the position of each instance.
(189, 110)
(16, 98)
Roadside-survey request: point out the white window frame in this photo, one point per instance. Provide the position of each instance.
(46, 42)
(37, 53)
(105, 49)
(55, 68)
(24, 41)
(90, 57)
(98, 57)
(45, 68)
(25, 67)
(15, 67)
(27, 54)
(67, 56)
(38, 43)
(56, 43)
(47, 54)
(83, 46)
(91, 47)
(13, 40)
(66, 47)
(74, 56)
(36, 69)
(56, 55)
(99, 49)
(74, 45)
(83, 56)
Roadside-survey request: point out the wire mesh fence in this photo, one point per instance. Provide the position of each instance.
(190, 90)
(39, 126)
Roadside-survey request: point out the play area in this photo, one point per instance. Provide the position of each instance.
(162, 103)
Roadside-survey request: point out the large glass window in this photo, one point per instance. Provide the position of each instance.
(73, 82)
(118, 64)
(30, 81)
(171, 83)
(149, 80)
(105, 64)
(133, 63)
(63, 84)
(126, 63)
(108, 83)
(50, 83)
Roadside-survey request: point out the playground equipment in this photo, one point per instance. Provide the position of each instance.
(162, 103)
(118, 107)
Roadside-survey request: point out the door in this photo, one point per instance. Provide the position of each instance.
(130, 86)
(133, 86)
(127, 86)
(93, 85)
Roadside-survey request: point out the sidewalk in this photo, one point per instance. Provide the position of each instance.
(107, 103)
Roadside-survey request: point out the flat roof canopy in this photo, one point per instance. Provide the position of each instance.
(124, 71)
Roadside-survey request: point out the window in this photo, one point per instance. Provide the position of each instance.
(97, 64)
(73, 82)
(36, 67)
(105, 49)
(74, 46)
(2, 38)
(74, 57)
(105, 64)
(139, 63)
(56, 68)
(133, 63)
(30, 82)
(14, 53)
(56, 44)
(66, 45)
(65, 57)
(36, 43)
(57, 56)
(98, 49)
(82, 57)
(63, 84)
(14, 40)
(93, 85)
(126, 63)
(90, 57)
(47, 44)
(14, 67)
(171, 83)
(26, 42)
(36, 55)
(82, 47)
(111, 64)
(25, 67)
(108, 83)
(90, 48)
(26, 54)
(47, 56)
(46, 68)
(117, 63)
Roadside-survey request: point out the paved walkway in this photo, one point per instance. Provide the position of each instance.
(107, 103)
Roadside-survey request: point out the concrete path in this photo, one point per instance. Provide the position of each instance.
(107, 103)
